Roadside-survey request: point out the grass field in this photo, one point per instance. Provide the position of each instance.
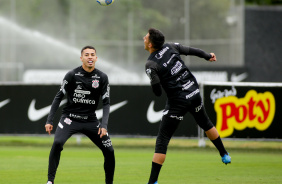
(24, 160)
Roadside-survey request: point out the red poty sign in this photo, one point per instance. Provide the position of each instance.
(255, 110)
(243, 110)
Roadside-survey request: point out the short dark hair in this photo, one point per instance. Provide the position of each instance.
(156, 37)
(88, 47)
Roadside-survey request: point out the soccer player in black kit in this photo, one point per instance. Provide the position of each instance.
(84, 86)
(167, 70)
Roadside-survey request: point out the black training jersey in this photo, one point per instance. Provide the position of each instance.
(83, 90)
(166, 67)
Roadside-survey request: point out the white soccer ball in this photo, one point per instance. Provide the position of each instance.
(105, 2)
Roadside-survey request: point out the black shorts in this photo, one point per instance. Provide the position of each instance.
(177, 108)
(70, 126)
(173, 114)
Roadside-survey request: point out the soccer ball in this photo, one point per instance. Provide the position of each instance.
(105, 2)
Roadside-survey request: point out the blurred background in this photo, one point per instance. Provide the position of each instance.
(40, 40)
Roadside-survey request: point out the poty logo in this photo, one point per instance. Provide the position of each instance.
(255, 110)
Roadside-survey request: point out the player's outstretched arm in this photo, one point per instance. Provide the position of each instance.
(195, 52)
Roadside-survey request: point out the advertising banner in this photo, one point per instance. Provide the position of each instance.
(245, 110)
(134, 110)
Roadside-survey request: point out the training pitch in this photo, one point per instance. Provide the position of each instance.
(24, 160)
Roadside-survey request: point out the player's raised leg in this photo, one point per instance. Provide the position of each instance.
(213, 135)
(211, 132)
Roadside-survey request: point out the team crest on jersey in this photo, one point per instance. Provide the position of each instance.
(95, 83)
(67, 121)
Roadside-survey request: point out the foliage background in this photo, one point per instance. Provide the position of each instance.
(40, 34)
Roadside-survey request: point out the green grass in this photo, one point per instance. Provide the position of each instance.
(24, 160)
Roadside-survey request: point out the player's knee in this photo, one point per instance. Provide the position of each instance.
(109, 151)
(161, 150)
(58, 145)
(206, 125)
(161, 145)
(109, 155)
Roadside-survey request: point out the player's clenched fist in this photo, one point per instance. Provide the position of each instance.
(213, 58)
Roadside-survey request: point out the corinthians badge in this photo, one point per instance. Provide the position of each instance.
(95, 83)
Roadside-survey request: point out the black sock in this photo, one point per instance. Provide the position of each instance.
(156, 168)
(219, 145)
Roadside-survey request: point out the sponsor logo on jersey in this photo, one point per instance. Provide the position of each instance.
(96, 76)
(255, 110)
(197, 109)
(79, 74)
(182, 76)
(165, 64)
(77, 116)
(63, 86)
(82, 92)
(192, 94)
(95, 83)
(148, 72)
(83, 101)
(80, 95)
(177, 67)
(78, 87)
(98, 126)
(107, 94)
(161, 53)
(187, 85)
